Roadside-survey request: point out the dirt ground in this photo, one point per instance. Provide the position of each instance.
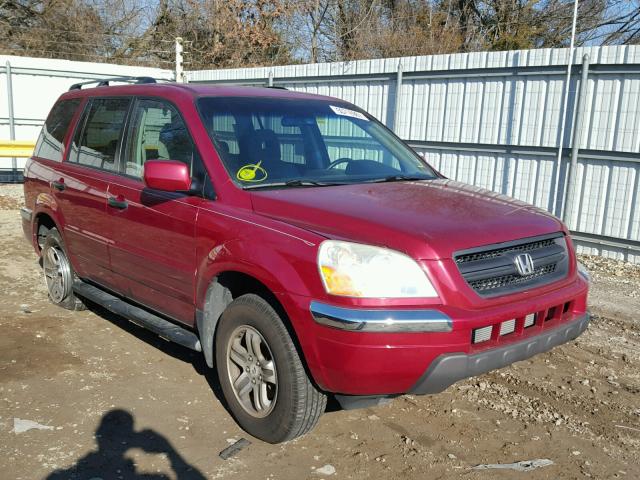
(113, 401)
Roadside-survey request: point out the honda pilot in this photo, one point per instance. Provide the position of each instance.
(295, 241)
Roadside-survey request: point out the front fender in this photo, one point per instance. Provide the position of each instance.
(281, 272)
(282, 259)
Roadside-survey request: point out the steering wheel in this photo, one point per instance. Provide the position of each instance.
(339, 161)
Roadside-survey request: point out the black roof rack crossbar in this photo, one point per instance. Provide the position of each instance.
(104, 82)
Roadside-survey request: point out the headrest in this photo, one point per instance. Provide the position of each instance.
(223, 146)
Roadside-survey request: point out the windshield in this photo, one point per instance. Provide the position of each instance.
(267, 142)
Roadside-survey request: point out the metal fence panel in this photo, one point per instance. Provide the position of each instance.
(491, 119)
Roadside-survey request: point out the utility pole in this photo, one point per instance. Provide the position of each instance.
(569, 198)
(558, 199)
(180, 77)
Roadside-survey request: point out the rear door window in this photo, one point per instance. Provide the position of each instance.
(97, 144)
(50, 144)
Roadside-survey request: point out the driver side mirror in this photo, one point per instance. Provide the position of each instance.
(166, 175)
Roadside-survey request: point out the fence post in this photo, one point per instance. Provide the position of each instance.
(270, 79)
(396, 105)
(12, 118)
(179, 61)
(569, 199)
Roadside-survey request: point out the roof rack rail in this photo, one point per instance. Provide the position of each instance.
(278, 87)
(104, 82)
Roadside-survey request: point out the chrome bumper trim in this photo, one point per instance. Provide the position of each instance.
(26, 213)
(387, 321)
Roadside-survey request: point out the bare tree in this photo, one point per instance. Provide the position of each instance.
(235, 33)
(622, 25)
(71, 29)
(227, 33)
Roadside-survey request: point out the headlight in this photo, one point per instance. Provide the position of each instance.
(356, 270)
(582, 270)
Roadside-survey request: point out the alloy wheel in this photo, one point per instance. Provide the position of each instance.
(252, 371)
(57, 273)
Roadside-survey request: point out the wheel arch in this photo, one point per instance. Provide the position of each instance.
(43, 222)
(223, 288)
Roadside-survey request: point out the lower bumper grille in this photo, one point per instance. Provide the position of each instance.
(514, 266)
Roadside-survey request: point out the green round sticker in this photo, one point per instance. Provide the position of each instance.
(252, 173)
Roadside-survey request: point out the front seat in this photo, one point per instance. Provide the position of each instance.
(177, 142)
(263, 146)
(179, 146)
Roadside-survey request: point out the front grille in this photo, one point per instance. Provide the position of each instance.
(527, 247)
(492, 271)
(505, 280)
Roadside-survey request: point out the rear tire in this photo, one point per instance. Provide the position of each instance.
(58, 273)
(261, 375)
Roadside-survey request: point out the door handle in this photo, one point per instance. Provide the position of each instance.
(59, 185)
(117, 202)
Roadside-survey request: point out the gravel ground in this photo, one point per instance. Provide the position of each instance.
(110, 400)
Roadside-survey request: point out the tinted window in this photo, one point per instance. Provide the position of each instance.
(268, 142)
(223, 124)
(50, 143)
(96, 144)
(158, 132)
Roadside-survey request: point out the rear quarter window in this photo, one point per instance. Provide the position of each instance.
(50, 144)
(97, 143)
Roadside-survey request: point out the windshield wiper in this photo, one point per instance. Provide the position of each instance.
(399, 178)
(292, 183)
(305, 183)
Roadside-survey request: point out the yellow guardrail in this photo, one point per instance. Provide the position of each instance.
(16, 148)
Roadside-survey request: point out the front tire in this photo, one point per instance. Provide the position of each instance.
(261, 375)
(58, 273)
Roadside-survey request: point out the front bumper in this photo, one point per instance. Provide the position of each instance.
(447, 369)
(358, 351)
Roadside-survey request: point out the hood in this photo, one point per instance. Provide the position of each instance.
(429, 219)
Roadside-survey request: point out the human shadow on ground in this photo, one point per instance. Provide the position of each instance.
(115, 436)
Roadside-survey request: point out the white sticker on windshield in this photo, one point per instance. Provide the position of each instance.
(345, 112)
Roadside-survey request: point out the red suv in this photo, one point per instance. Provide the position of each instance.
(296, 242)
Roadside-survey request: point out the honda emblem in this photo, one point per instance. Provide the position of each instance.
(524, 264)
